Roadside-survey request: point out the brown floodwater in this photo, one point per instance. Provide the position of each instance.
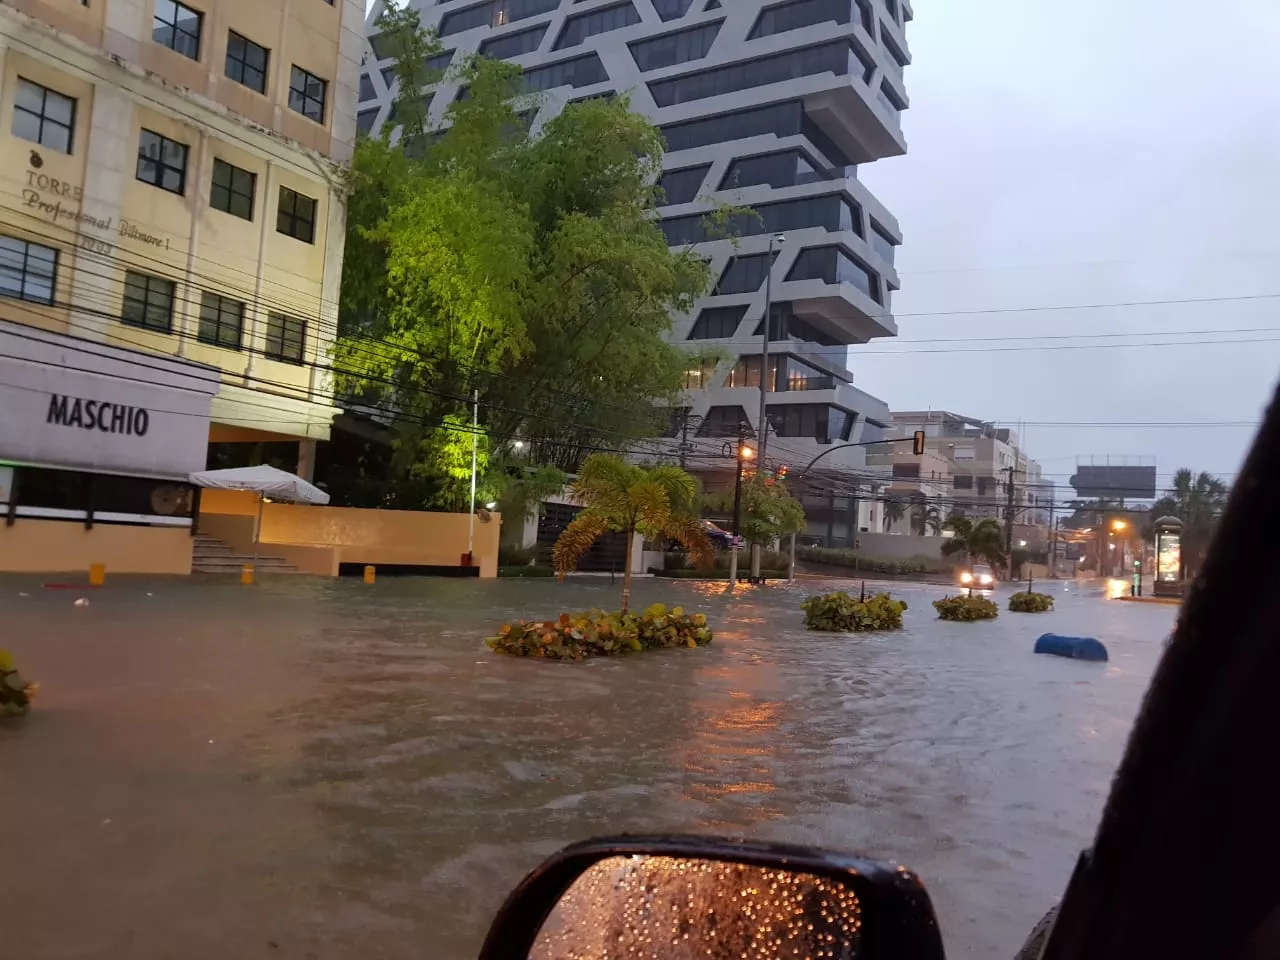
(316, 769)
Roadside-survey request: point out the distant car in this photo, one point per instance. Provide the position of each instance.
(979, 576)
(720, 538)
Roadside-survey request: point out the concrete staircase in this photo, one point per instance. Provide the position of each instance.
(211, 555)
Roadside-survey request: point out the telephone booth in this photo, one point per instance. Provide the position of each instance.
(1167, 580)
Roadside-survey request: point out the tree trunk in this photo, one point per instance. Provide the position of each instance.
(626, 574)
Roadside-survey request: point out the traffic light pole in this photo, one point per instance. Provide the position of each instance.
(917, 442)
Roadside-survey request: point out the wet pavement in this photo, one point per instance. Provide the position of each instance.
(314, 769)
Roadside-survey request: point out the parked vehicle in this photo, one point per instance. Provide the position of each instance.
(1183, 865)
(721, 538)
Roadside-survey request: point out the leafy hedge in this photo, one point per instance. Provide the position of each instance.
(1025, 602)
(599, 634)
(15, 693)
(838, 557)
(841, 613)
(526, 571)
(744, 571)
(966, 608)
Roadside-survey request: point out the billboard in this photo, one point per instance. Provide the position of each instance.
(1115, 482)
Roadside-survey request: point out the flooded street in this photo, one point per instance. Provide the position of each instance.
(313, 769)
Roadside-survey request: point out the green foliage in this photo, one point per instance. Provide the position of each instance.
(840, 557)
(769, 512)
(1198, 500)
(525, 571)
(1025, 602)
(925, 518)
(520, 492)
(966, 608)
(981, 541)
(893, 510)
(529, 268)
(595, 633)
(16, 693)
(657, 502)
(839, 612)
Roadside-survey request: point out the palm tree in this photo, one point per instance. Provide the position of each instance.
(1198, 501)
(894, 510)
(983, 540)
(925, 517)
(623, 497)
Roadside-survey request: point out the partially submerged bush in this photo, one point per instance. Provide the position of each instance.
(599, 634)
(839, 612)
(966, 608)
(15, 693)
(1025, 602)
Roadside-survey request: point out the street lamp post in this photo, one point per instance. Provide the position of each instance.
(741, 454)
(764, 377)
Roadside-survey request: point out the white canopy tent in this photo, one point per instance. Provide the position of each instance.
(268, 483)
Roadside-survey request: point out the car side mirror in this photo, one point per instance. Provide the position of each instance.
(702, 898)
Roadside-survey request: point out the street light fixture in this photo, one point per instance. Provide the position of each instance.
(746, 453)
(1118, 525)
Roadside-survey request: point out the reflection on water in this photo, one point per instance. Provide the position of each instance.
(668, 908)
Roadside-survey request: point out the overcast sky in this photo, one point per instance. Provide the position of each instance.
(1096, 152)
(1089, 153)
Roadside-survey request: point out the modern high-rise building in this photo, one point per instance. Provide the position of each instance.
(171, 237)
(772, 106)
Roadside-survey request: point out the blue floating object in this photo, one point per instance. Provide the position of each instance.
(1074, 648)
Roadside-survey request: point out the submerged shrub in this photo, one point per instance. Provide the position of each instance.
(1025, 602)
(598, 634)
(841, 613)
(966, 608)
(15, 693)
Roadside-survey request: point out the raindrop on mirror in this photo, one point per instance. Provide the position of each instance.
(668, 908)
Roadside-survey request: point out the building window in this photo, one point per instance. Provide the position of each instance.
(43, 116)
(232, 190)
(177, 26)
(148, 302)
(578, 28)
(682, 186)
(728, 421)
(672, 48)
(744, 274)
(221, 320)
(495, 13)
(307, 93)
(247, 62)
(580, 71)
(717, 323)
(27, 270)
(835, 212)
(285, 338)
(513, 44)
(296, 216)
(162, 162)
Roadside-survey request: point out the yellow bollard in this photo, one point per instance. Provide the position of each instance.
(246, 574)
(97, 574)
(370, 573)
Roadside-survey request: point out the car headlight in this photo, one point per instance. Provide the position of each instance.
(966, 578)
(986, 578)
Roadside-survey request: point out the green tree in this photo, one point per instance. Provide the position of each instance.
(520, 492)
(769, 513)
(983, 540)
(529, 269)
(657, 502)
(925, 517)
(1198, 500)
(894, 510)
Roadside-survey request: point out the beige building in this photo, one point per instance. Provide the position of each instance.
(171, 234)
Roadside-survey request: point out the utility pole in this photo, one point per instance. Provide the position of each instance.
(1008, 520)
(1053, 544)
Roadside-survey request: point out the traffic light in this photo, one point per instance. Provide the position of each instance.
(917, 444)
(783, 471)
